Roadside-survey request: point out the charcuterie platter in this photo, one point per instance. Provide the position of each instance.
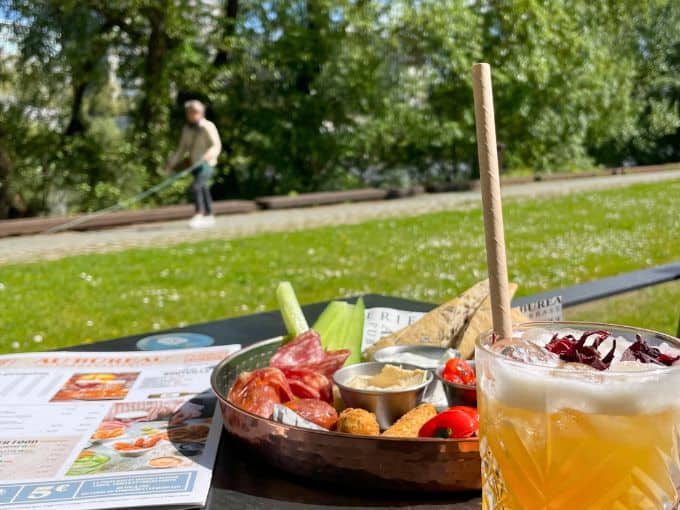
(339, 458)
(307, 404)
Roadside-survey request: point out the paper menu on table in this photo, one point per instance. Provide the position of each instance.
(380, 322)
(70, 424)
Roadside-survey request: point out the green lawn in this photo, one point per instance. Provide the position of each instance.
(552, 242)
(655, 307)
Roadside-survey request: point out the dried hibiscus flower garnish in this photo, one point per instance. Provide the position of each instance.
(571, 350)
(645, 353)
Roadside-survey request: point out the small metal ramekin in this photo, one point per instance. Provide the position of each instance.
(388, 405)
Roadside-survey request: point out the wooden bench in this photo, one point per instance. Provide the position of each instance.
(321, 198)
(393, 193)
(448, 187)
(26, 226)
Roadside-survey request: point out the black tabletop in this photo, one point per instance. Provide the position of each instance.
(245, 483)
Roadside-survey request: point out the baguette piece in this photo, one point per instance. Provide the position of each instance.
(480, 322)
(443, 326)
(409, 425)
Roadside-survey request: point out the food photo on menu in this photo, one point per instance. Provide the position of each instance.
(144, 435)
(96, 386)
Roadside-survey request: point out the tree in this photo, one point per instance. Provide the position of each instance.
(5, 174)
(650, 34)
(425, 125)
(70, 43)
(277, 99)
(328, 94)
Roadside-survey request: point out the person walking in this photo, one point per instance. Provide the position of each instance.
(199, 146)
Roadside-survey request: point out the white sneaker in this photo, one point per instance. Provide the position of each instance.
(200, 221)
(207, 221)
(196, 221)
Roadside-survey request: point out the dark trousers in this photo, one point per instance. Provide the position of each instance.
(200, 189)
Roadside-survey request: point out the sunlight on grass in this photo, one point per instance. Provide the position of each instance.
(656, 308)
(552, 242)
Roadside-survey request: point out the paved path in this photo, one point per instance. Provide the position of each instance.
(54, 246)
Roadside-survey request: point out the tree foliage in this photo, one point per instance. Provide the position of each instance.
(325, 94)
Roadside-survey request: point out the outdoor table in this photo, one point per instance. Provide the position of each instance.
(245, 482)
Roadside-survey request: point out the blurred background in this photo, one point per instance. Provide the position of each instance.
(320, 94)
(329, 95)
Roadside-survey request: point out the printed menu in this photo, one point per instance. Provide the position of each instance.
(108, 430)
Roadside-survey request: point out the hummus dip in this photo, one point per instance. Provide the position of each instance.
(390, 378)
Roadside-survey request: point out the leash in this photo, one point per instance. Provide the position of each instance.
(123, 204)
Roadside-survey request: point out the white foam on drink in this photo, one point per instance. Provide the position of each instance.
(549, 385)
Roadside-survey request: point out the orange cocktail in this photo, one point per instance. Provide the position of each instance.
(600, 433)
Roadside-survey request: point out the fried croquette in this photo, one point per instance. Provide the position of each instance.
(358, 422)
(409, 424)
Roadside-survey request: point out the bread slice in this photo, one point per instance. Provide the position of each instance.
(443, 326)
(480, 322)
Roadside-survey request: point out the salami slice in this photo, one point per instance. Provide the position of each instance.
(330, 364)
(306, 383)
(316, 411)
(304, 349)
(260, 390)
(306, 352)
(302, 390)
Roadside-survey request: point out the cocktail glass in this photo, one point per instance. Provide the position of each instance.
(575, 438)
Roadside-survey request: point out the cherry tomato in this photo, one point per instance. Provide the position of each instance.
(470, 411)
(459, 371)
(453, 424)
(454, 378)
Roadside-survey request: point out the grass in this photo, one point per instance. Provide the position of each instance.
(656, 308)
(552, 242)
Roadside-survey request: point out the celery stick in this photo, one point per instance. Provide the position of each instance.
(355, 332)
(291, 312)
(341, 326)
(338, 333)
(331, 316)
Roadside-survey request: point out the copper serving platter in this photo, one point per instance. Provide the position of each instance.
(433, 465)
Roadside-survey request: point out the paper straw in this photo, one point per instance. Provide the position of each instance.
(491, 200)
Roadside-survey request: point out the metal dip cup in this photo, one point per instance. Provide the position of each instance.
(388, 405)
